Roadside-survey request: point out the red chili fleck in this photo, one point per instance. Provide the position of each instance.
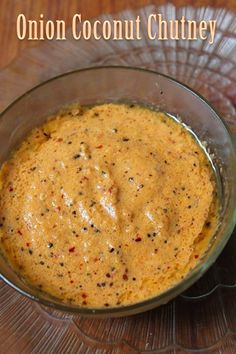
(72, 281)
(84, 302)
(110, 189)
(84, 295)
(10, 189)
(99, 146)
(60, 140)
(19, 232)
(125, 276)
(27, 244)
(58, 208)
(71, 249)
(196, 256)
(138, 239)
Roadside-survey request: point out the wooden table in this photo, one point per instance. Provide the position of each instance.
(11, 46)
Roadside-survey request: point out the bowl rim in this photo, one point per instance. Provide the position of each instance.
(190, 278)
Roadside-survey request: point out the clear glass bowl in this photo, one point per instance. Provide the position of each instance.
(124, 84)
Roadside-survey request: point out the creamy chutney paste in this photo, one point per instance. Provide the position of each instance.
(106, 206)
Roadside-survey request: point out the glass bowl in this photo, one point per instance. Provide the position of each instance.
(125, 84)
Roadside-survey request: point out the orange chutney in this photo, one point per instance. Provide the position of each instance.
(106, 205)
